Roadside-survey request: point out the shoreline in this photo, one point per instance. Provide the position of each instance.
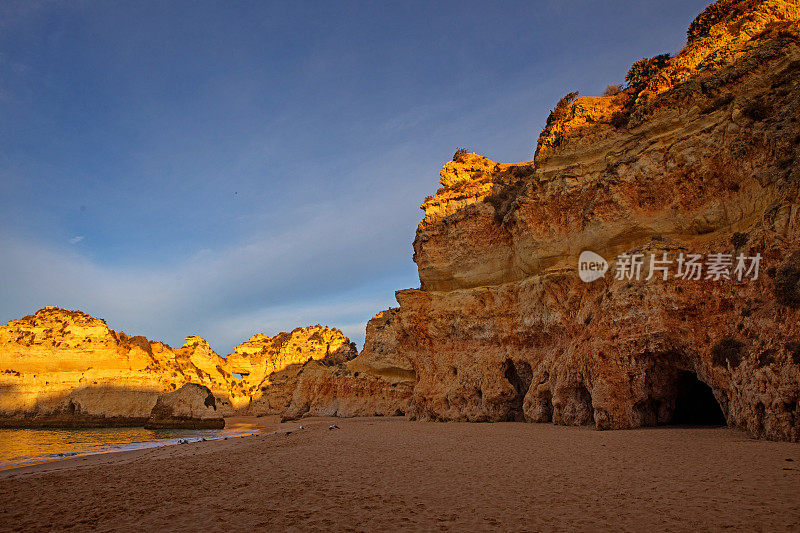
(235, 427)
(390, 473)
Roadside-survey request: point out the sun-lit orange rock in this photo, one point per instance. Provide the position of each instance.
(60, 367)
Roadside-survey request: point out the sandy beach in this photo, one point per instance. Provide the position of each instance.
(390, 474)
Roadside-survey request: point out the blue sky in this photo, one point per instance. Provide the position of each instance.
(228, 168)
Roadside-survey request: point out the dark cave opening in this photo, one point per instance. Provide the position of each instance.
(585, 400)
(520, 376)
(695, 404)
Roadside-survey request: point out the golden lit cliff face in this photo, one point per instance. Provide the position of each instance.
(270, 365)
(379, 382)
(610, 172)
(57, 356)
(58, 362)
(262, 355)
(699, 155)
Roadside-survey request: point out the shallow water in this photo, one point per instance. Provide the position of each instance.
(27, 446)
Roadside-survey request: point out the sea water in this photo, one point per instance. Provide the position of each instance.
(20, 447)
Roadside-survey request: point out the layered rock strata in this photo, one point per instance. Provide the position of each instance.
(270, 366)
(379, 382)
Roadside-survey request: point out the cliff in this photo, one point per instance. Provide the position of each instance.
(379, 382)
(698, 155)
(694, 165)
(270, 366)
(66, 368)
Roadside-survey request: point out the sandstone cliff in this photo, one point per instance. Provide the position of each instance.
(379, 382)
(699, 155)
(66, 368)
(270, 366)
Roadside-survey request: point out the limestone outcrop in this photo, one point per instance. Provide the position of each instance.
(60, 367)
(66, 368)
(379, 382)
(699, 155)
(270, 366)
(694, 165)
(191, 407)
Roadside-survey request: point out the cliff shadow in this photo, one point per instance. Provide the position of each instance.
(104, 405)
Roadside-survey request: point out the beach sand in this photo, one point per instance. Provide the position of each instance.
(390, 474)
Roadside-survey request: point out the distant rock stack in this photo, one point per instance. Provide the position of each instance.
(270, 366)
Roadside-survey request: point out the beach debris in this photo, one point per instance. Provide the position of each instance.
(183, 441)
(334, 426)
(301, 427)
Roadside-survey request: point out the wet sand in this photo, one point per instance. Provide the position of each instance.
(390, 474)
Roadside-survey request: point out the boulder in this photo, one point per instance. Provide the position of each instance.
(191, 407)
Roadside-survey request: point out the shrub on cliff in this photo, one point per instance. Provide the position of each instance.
(620, 119)
(713, 14)
(562, 108)
(728, 349)
(504, 198)
(459, 155)
(644, 70)
(612, 89)
(551, 135)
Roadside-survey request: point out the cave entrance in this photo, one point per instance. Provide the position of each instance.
(695, 404)
(520, 376)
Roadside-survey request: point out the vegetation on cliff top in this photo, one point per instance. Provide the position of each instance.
(713, 14)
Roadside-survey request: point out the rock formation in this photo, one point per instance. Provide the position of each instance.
(379, 382)
(63, 367)
(699, 155)
(66, 368)
(190, 407)
(269, 366)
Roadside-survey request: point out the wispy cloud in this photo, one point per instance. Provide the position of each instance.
(270, 282)
(76, 239)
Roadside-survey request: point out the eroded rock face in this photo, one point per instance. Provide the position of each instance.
(700, 158)
(61, 367)
(66, 368)
(191, 407)
(379, 382)
(269, 366)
